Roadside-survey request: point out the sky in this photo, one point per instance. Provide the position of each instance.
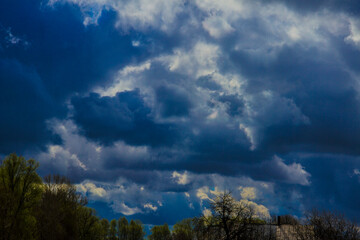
(153, 107)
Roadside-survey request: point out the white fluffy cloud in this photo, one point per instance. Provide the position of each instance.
(79, 152)
(181, 179)
(150, 206)
(123, 196)
(217, 26)
(92, 189)
(259, 210)
(354, 36)
(121, 207)
(198, 61)
(126, 80)
(283, 25)
(248, 193)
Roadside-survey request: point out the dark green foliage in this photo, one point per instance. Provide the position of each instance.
(123, 228)
(89, 226)
(105, 226)
(59, 209)
(136, 230)
(32, 209)
(183, 230)
(20, 191)
(113, 230)
(160, 233)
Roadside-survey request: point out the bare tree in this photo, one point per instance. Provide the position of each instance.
(326, 225)
(231, 220)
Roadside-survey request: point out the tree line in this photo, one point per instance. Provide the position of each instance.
(51, 208)
(33, 208)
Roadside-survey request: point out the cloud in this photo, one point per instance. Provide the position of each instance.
(122, 196)
(39, 77)
(173, 102)
(260, 211)
(127, 118)
(217, 27)
(150, 206)
(354, 36)
(84, 157)
(95, 192)
(179, 178)
(201, 193)
(197, 62)
(139, 14)
(10, 39)
(29, 105)
(121, 207)
(125, 80)
(295, 173)
(248, 193)
(278, 170)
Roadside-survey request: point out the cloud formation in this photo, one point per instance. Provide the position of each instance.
(147, 105)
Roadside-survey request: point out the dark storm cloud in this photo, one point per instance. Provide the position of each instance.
(23, 103)
(123, 117)
(235, 104)
(337, 185)
(46, 56)
(173, 102)
(323, 91)
(334, 184)
(218, 142)
(207, 82)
